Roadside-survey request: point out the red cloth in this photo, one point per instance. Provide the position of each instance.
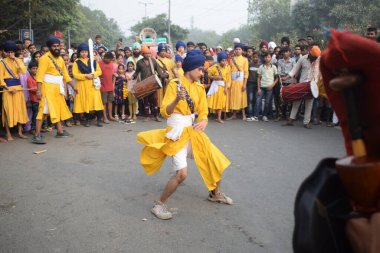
(32, 84)
(106, 78)
(357, 54)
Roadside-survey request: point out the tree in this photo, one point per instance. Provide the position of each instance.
(90, 23)
(160, 25)
(55, 15)
(50, 15)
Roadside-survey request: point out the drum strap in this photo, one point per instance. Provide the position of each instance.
(56, 66)
(8, 69)
(234, 61)
(220, 72)
(151, 65)
(163, 64)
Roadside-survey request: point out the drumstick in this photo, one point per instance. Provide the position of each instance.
(346, 83)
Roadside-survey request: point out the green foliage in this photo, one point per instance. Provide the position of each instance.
(57, 15)
(273, 19)
(160, 25)
(90, 23)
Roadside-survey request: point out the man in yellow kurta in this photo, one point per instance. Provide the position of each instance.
(51, 89)
(88, 98)
(239, 76)
(14, 107)
(166, 65)
(183, 98)
(217, 94)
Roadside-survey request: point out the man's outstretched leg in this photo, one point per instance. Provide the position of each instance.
(160, 208)
(217, 196)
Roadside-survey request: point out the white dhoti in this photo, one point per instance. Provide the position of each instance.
(178, 122)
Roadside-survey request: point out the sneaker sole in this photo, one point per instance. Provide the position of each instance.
(219, 201)
(151, 210)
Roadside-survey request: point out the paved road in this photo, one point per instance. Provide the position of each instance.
(88, 193)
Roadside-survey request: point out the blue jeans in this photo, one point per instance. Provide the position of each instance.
(251, 97)
(34, 115)
(267, 95)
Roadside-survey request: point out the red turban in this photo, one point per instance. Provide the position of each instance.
(357, 54)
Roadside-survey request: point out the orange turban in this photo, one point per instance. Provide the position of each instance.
(315, 51)
(145, 49)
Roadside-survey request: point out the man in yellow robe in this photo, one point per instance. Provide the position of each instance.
(14, 107)
(217, 94)
(239, 76)
(51, 90)
(183, 98)
(88, 98)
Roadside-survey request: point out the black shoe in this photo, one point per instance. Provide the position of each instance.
(307, 126)
(37, 139)
(86, 123)
(64, 134)
(99, 123)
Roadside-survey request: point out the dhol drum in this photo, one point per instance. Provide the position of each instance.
(299, 91)
(146, 87)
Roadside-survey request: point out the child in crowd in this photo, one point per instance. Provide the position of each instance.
(177, 70)
(267, 79)
(119, 79)
(132, 101)
(70, 94)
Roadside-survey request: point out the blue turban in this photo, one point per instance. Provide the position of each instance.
(194, 59)
(10, 46)
(82, 47)
(180, 43)
(178, 58)
(222, 56)
(52, 40)
(239, 45)
(136, 45)
(162, 46)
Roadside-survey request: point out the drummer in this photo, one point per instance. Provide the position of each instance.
(144, 69)
(308, 65)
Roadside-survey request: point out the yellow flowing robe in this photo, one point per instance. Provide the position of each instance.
(88, 98)
(169, 66)
(238, 98)
(50, 92)
(14, 107)
(210, 161)
(218, 100)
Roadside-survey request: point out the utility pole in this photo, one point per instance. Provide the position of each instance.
(30, 23)
(146, 6)
(192, 23)
(249, 12)
(169, 24)
(68, 37)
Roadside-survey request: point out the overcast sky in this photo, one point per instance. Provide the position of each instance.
(216, 15)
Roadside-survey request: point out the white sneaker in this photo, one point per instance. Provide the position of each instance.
(161, 212)
(265, 119)
(249, 119)
(220, 198)
(255, 119)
